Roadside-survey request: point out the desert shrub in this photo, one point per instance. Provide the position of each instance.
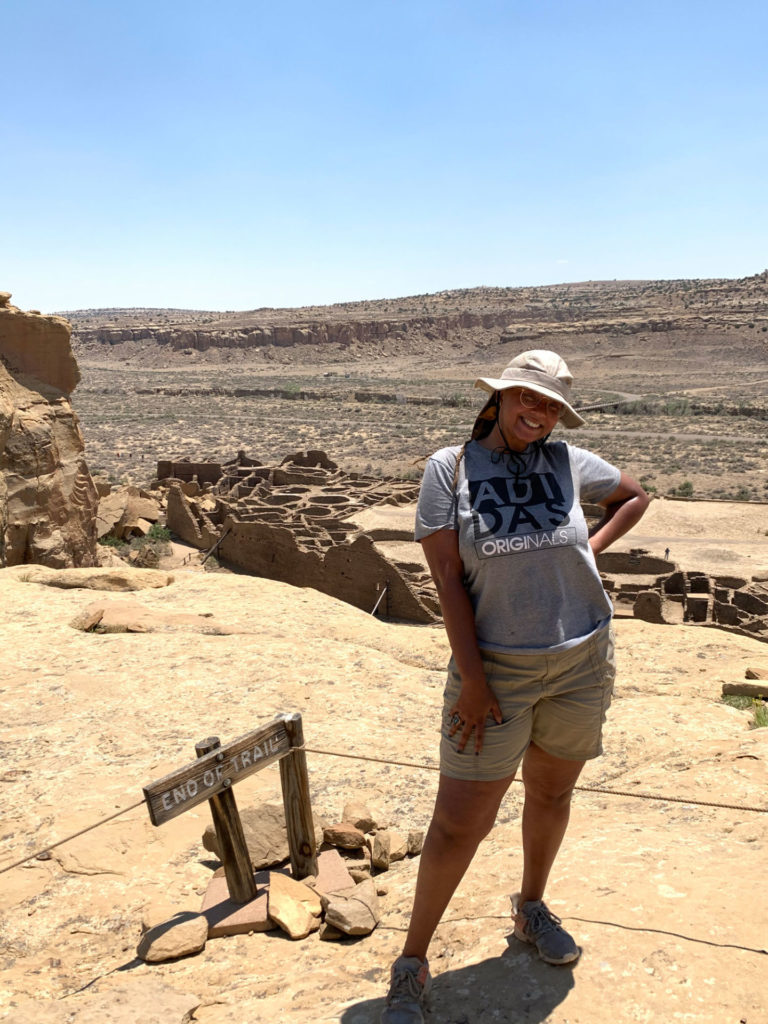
(683, 490)
(158, 532)
(756, 705)
(110, 541)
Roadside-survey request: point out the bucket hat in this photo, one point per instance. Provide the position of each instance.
(538, 370)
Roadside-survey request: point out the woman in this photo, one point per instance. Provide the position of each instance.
(528, 621)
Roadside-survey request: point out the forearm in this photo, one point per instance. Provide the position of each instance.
(459, 621)
(618, 520)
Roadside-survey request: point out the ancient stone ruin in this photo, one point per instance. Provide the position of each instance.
(291, 523)
(48, 500)
(657, 591)
(295, 523)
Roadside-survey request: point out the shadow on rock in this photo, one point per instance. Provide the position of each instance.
(515, 987)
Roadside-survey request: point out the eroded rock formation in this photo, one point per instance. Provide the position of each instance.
(48, 500)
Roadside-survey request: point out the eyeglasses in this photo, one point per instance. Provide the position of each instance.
(531, 400)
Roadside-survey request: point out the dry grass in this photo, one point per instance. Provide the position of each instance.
(132, 417)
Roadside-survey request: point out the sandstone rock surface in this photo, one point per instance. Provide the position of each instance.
(47, 497)
(648, 886)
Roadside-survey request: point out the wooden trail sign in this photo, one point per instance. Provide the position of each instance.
(212, 776)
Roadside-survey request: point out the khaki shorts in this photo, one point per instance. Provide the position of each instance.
(558, 701)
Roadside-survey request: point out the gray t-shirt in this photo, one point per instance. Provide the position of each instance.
(528, 567)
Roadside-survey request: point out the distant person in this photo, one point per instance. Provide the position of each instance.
(666, 554)
(529, 625)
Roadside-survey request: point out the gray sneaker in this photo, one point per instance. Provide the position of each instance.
(535, 923)
(408, 992)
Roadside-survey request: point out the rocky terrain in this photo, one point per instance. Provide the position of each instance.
(663, 893)
(679, 370)
(98, 702)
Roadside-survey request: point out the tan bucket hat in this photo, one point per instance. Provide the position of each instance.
(538, 370)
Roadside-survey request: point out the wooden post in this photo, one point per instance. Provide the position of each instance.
(296, 801)
(229, 832)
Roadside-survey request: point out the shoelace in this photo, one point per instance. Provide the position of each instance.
(405, 985)
(541, 920)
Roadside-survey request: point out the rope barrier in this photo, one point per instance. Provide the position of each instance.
(404, 764)
(67, 839)
(582, 789)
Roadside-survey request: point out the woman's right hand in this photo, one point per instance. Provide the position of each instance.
(470, 712)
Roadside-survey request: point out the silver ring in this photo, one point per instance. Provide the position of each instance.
(456, 720)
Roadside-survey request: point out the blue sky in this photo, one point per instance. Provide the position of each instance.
(239, 154)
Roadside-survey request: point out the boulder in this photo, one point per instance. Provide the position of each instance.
(344, 835)
(380, 847)
(110, 512)
(415, 842)
(398, 846)
(356, 912)
(184, 934)
(132, 617)
(126, 511)
(265, 835)
(358, 863)
(359, 815)
(332, 873)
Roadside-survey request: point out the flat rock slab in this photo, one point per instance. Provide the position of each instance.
(225, 917)
(113, 579)
(332, 873)
(293, 906)
(131, 617)
(145, 999)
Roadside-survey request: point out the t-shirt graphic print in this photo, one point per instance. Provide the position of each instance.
(521, 513)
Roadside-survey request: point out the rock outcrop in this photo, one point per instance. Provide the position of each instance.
(48, 500)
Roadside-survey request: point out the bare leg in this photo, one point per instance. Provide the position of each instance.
(464, 814)
(549, 783)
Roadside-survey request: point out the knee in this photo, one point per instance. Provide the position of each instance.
(548, 793)
(452, 831)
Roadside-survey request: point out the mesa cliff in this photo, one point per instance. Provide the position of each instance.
(473, 316)
(48, 500)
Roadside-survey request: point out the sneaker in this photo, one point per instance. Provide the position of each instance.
(408, 992)
(535, 923)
